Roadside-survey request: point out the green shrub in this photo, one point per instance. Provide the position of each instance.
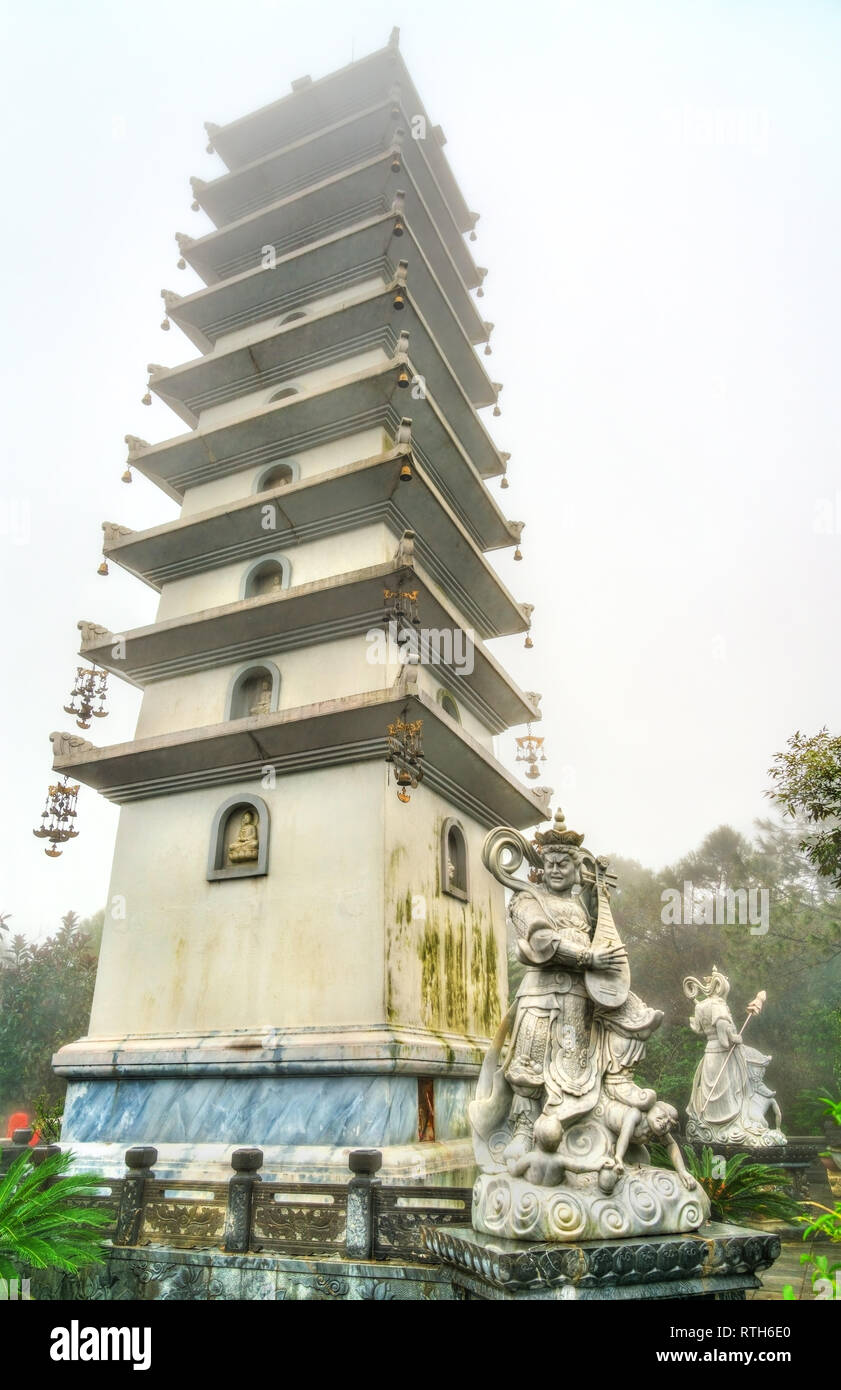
(44, 1222)
(738, 1188)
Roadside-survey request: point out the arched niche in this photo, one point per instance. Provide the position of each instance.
(278, 474)
(454, 868)
(239, 839)
(449, 705)
(254, 690)
(266, 576)
(283, 393)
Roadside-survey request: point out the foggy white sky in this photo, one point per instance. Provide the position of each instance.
(658, 186)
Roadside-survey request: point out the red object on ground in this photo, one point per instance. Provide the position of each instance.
(20, 1120)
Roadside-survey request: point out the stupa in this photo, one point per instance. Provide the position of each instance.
(302, 949)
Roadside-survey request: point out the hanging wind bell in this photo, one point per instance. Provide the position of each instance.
(401, 606)
(90, 689)
(406, 752)
(57, 817)
(530, 751)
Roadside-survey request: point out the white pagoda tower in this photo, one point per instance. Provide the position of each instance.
(300, 959)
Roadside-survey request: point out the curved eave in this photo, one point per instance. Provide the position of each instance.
(322, 103)
(335, 334)
(362, 191)
(358, 494)
(328, 734)
(307, 614)
(366, 400)
(346, 258)
(321, 154)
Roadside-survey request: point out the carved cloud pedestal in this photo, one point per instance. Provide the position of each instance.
(645, 1200)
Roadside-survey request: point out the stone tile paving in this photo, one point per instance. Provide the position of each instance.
(788, 1269)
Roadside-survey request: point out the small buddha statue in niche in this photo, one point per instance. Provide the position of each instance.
(262, 697)
(246, 845)
(270, 582)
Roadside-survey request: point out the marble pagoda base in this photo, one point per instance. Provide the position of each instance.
(718, 1262)
(442, 1163)
(305, 1125)
(305, 1096)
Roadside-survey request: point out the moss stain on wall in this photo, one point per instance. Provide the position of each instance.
(455, 975)
(491, 1010)
(477, 978)
(456, 986)
(430, 950)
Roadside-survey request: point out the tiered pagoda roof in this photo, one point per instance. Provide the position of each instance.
(365, 225)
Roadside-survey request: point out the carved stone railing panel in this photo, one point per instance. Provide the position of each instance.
(182, 1214)
(400, 1212)
(302, 1218)
(104, 1198)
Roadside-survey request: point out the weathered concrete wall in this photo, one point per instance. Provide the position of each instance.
(311, 462)
(308, 675)
(446, 965)
(215, 415)
(240, 336)
(314, 560)
(301, 945)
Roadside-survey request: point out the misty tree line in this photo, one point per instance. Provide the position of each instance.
(46, 989)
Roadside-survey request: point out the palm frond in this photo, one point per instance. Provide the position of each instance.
(741, 1190)
(43, 1223)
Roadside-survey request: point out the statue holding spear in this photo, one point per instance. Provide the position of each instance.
(730, 1101)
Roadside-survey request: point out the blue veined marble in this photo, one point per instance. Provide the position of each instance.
(336, 1110)
(452, 1097)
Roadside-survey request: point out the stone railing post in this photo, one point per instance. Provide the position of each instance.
(20, 1144)
(245, 1162)
(363, 1163)
(139, 1163)
(42, 1152)
(13, 1148)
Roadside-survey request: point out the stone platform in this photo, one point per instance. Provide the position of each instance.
(364, 1239)
(150, 1273)
(645, 1201)
(722, 1262)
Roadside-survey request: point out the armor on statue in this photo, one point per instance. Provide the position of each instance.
(559, 1124)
